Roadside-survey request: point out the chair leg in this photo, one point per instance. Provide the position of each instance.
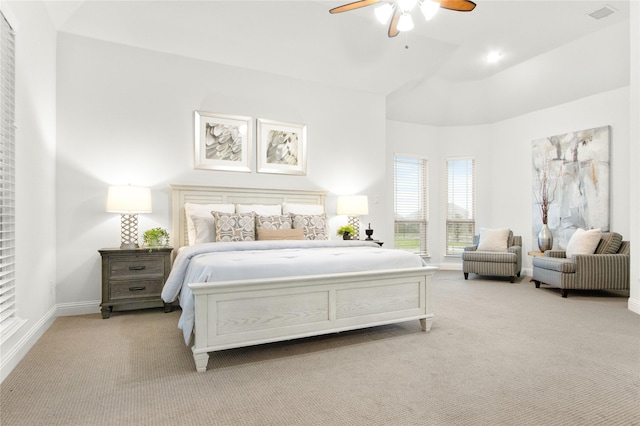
(512, 279)
(518, 274)
(537, 283)
(466, 275)
(565, 293)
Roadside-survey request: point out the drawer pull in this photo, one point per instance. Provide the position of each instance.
(137, 268)
(139, 288)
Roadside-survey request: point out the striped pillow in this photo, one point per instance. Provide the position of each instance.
(610, 243)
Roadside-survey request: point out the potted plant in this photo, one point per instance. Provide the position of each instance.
(346, 231)
(155, 238)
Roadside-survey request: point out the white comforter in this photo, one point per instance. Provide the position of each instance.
(212, 262)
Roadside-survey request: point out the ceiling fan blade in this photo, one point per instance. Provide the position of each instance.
(351, 6)
(393, 26)
(457, 5)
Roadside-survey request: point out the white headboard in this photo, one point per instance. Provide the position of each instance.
(181, 194)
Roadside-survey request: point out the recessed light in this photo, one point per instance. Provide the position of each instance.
(494, 57)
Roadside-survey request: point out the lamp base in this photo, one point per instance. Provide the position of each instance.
(129, 231)
(355, 222)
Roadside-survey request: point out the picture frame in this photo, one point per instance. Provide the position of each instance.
(281, 147)
(222, 142)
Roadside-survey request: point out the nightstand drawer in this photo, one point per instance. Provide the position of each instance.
(135, 289)
(136, 267)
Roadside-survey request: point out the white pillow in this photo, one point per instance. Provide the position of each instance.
(583, 242)
(306, 209)
(260, 209)
(205, 229)
(493, 239)
(192, 210)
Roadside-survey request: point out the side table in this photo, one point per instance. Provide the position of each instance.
(133, 278)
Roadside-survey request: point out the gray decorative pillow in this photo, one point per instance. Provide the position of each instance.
(273, 222)
(234, 227)
(314, 226)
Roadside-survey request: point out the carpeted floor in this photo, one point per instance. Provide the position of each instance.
(498, 354)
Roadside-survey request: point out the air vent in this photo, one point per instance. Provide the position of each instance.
(603, 12)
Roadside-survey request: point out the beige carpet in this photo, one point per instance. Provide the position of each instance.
(498, 354)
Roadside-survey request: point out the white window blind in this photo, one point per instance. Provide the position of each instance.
(411, 204)
(460, 204)
(8, 320)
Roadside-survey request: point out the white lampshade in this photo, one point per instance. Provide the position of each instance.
(383, 12)
(429, 8)
(405, 23)
(128, 199)
(353, 205)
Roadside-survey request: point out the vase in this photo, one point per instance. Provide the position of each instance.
(545, 238)
(346, 236)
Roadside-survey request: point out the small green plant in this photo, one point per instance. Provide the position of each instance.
(156, 237)
(346, 229)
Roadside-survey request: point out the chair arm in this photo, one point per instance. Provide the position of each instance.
(518, 252)
(471, 248)
(594, 270)
(556, 253)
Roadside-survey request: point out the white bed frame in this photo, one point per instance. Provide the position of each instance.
(234, 314)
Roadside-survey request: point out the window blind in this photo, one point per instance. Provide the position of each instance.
(8, 318)
(411, 204)
(460, 204)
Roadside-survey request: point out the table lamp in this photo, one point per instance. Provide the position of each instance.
(128, 201)
(353, 206)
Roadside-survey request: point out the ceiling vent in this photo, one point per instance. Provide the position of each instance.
(603, 12)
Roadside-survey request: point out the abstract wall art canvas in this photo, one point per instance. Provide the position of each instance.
(571, 173)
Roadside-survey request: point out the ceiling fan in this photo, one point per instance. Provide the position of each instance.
(398, 12)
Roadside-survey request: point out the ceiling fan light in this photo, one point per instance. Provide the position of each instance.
(383, 12)
(429, 9)
(405, 23)
(407, 5)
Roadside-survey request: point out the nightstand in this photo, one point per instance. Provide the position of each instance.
(133, 278)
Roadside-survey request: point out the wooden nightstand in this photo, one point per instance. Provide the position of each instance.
(133, 279)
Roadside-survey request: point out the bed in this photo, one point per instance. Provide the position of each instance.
(236, 294)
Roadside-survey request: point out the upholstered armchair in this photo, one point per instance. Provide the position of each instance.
(606, 269)
(494, 252)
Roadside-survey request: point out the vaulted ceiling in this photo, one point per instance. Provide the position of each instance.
(416, 71)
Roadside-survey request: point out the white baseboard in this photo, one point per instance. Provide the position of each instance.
(449, 267)
(634, 305)
(78, 308)
(11, 359)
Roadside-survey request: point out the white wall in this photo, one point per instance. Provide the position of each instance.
(35, 177)
(125, 115)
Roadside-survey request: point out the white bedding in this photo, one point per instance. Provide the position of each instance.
(213, 262)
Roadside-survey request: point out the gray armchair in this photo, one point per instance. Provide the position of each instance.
(502, 264)
(606, 269)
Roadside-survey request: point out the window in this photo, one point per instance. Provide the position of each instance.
(8, 320)
(410, 204)
(460, 205)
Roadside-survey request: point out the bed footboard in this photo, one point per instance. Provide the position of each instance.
(234, 314)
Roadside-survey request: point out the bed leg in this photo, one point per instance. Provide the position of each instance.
(201, 359)
(425, 324)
